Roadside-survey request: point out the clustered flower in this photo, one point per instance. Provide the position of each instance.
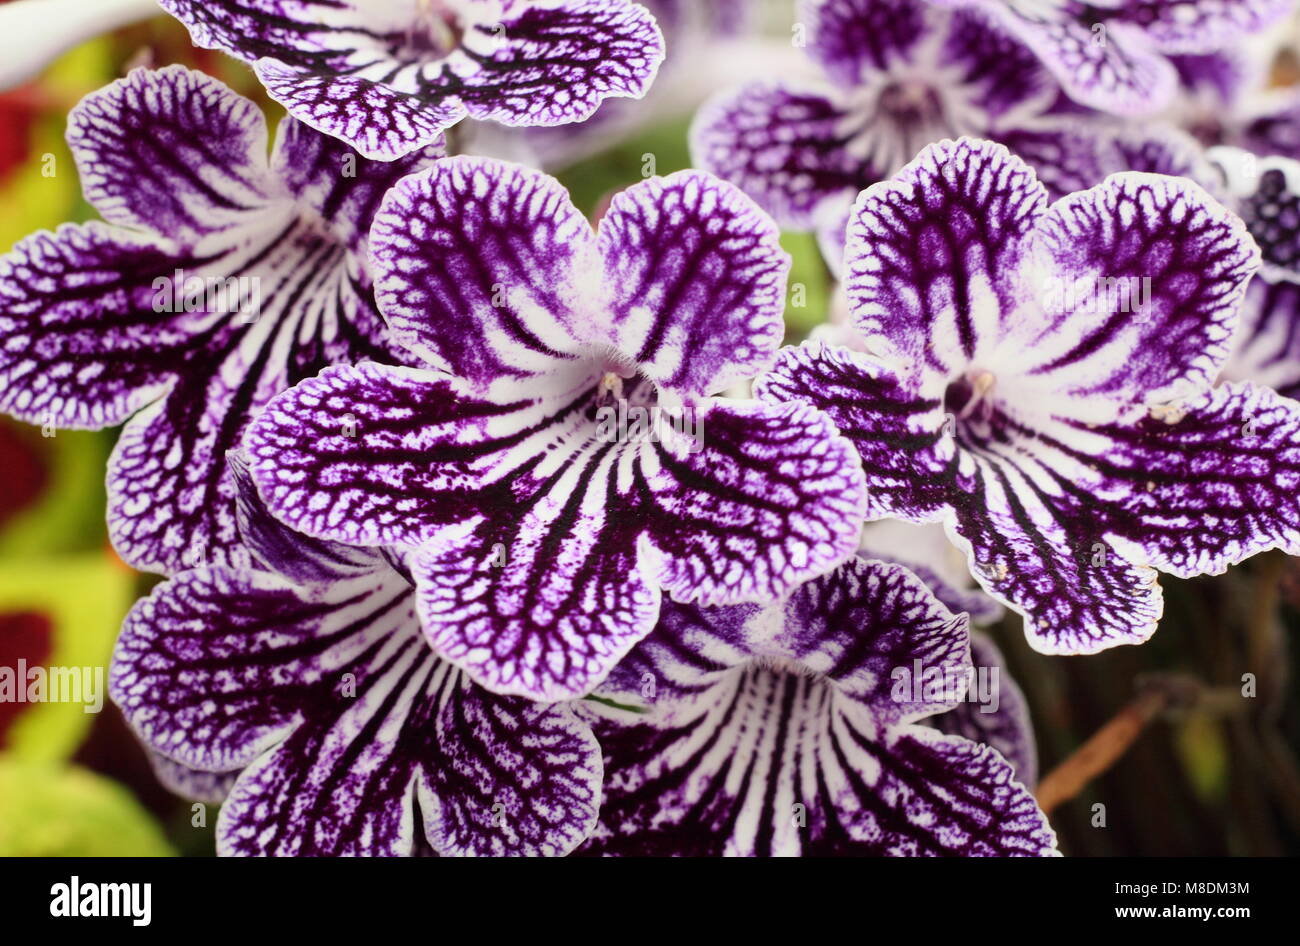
(487, 529)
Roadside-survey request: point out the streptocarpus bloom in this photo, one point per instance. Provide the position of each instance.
(387, 76)
(1112, 55)
(561, 462)
(791, 729)
(1041, 382)
(219, 279)
(1227, 98)
(900, 74)
(300, 687)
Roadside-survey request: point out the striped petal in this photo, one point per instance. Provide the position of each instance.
(994, 712)
(480, 270)
(902, 74)
(790, 731)
(143, 165)
(224, 278)
(698, 278)
(387, 78)
(1040, 429)
(1147, 274)
(349, 735)
(934, 255)
(783, 145)
(1208, 486)
(1110, 65)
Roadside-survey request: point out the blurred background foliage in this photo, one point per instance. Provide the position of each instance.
(1209, 775)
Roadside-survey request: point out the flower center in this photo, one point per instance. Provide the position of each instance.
(897, 116)
(435, 30)
(911, 104)
(969, 406)
(627, 409)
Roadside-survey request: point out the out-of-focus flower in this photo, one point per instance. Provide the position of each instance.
(1115, 56)
(899, 74)
(1266, 193)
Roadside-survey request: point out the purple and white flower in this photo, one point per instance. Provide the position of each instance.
(898, 75)
(388, 77)
(1041, 381)
(299, 687)
(1227, 98)
(560, 462)
(793, 729)
(218, 279)
(1115, 55)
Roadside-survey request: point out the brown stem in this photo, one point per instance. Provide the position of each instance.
(1158, 693)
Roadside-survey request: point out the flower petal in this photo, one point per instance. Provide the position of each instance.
(553, 64)
(925, 551)
(1146, 274)
(275, 547)
(854, 39)
(1037, 541)
(782, 145)
(543, 599)
(173, 152)
(698, 278)
(1122, 73)
(933, 255)
(1209, 489)
(347, 723)
(80, 343)
(374, 76)
(369, 455)
(211, 788)
(475, 264)
(877, 631)
(1201, 26)
(772, 496)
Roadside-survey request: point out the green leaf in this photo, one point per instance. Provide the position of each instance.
(48, 810)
